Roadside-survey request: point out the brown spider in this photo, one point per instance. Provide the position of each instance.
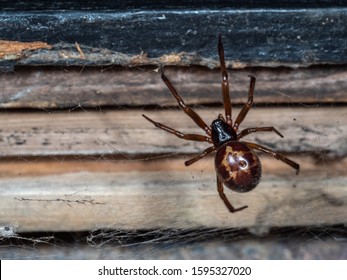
(237, 165)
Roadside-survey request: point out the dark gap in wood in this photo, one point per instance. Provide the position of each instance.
(153, 157)
(101, 68)
(153, 107)
(126, 238)
(97, 157)
(155, 4)
(191, 68)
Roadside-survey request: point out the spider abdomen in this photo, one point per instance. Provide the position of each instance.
(237, 166)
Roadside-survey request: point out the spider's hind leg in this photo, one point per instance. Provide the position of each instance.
(275, 155)
(225, 199)
(200, 156)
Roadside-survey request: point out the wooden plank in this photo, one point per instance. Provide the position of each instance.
(55, 174)
(263, 35)
(93, 87)
(119, 132)
(145, 194)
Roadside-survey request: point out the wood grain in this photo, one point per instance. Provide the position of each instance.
(147, 194)
(254, 34)
(84, 170)
(71, 167)
(76, 88)
(119, 132)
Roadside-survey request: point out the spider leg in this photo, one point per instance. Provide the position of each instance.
(200, 156)
(192, 137)
(247, 131)
(225, 83)
(275, 155)
(247, 106)
(190, 112)
(225, 199)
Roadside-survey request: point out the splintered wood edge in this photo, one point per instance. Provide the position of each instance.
(11, 50)
(79, 196)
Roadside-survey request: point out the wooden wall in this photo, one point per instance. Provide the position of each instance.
(77, 155)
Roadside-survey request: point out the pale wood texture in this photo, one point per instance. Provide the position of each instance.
(119, 132)
(71, 171)
(42, 196)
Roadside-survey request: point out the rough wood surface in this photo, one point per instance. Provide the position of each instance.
(119, 132)
(88, 160)
(51, 88)
(262, 35)
(71, 171)
(147, 194)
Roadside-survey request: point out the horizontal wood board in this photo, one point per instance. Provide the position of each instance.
(259, 36)
(142, 194)
(84, 170)
(76, 88)
(120, 132)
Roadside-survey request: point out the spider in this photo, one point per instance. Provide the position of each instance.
(236, 163)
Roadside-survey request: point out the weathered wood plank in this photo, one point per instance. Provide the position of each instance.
(262, 35)
(147, 194)
(93, 87)
(118, 132)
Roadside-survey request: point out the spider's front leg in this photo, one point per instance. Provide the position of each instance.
(225, 83)
(190, 112)
(186, 136)
(249, 130)
(247, 106)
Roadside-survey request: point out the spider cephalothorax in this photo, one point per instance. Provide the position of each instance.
(237, 165)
